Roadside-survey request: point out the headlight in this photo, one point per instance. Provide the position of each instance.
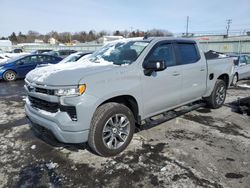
(71, 91)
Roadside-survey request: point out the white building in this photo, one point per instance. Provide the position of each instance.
(39, 41)
(5, 45)
(106, 39)
(52, 40)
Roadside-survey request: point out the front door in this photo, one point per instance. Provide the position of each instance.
(162, 89)
(25, 65)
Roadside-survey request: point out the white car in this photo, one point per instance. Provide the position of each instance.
(75, 57)
(242, 67)
(3, 58)
(78, 56)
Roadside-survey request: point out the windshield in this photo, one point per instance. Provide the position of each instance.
(14, 59)
(119, 53)
(71, 58)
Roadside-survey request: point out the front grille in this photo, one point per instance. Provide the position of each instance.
(44, 105)
(53, 107)
(39, 90)
(44, 91)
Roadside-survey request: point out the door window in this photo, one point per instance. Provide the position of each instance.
(47, 58)
(163, 52)
(33, 59)
(24, 61)
(243, 60)
(247, 60)
(187, 53)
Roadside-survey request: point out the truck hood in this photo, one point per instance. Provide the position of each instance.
(66, 74)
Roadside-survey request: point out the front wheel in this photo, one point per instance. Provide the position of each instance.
(112, 129)
(218, 96)
(9, 75)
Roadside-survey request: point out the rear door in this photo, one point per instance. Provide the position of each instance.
(161, 90)
(23, 66)
(194, 70)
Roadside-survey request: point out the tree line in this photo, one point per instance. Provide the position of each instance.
(83, 36)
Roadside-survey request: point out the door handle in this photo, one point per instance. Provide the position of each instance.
(202, 69)
(176, 74)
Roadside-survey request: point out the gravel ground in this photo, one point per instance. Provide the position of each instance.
(202, 148)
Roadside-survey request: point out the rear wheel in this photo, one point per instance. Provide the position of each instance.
(112, 129)
(218, 96)
(9, 75)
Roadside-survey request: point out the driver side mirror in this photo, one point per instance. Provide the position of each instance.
(155, 65)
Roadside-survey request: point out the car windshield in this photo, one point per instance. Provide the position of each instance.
(71, 58)
(119, 53)
(14, 59)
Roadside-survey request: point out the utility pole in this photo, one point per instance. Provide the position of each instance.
(229, 21)
(187, 26)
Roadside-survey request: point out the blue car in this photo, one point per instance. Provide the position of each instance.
(20, 66)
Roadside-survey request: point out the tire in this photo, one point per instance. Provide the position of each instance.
(235, 80)
(9, 75)
(218, 96)
(111, 130)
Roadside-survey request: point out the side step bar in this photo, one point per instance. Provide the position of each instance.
(166, 116)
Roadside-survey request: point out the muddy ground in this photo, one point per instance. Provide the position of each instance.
(202, 148)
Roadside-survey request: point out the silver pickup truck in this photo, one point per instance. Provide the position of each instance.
(101, 99)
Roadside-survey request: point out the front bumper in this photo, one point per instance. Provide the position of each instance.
(60, 122)
(61, 135)
(1, 73)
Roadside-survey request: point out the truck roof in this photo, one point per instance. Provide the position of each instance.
(170, 39)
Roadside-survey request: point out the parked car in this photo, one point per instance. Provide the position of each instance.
(75, 57)
(40, 51)
(3, 58)
(61, 53)
(16, 50)
(123, 84)
(242, 67)
(20, 66)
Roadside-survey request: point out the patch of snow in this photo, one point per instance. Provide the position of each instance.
(244, 85)
(33, 147)
(108, 52)
(51, 165)
(222, 56)
(39, 74)
(163, 169)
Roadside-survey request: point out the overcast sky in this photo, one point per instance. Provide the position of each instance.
(77, 15)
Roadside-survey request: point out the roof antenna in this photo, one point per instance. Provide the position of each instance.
(146, 36)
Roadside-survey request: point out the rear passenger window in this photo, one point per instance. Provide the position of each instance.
(248, 59)
(163, 52)
(187, 53)
(33, 59)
